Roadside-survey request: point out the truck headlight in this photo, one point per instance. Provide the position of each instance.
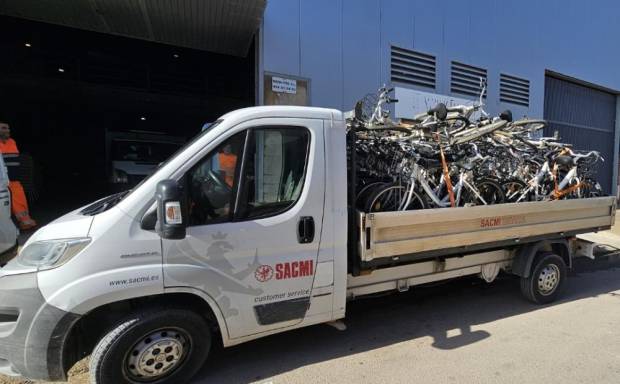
(51, 253)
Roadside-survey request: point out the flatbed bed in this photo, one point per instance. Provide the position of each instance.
(387, 237)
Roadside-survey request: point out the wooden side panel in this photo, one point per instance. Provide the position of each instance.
(388, 234)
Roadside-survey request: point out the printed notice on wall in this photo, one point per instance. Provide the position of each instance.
(282, 85)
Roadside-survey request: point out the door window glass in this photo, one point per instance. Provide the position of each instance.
(274, 172)
(213, 181)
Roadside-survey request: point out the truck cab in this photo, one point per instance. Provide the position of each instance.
(262, 248)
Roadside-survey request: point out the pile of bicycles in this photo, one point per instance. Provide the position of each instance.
(446, 158)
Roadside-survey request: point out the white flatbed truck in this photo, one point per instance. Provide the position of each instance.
(247, 232)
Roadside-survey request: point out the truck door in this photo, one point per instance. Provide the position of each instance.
(255, 205)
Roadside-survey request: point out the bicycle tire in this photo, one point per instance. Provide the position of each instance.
(490, 190)
(367, 190)
(390, 197)
(511, 189)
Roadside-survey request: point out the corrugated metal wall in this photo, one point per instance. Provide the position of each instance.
(584, 117)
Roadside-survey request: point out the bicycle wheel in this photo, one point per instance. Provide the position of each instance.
(367, 190)
(591, 188)
(512, 189)
(489, 190)
(390, 198)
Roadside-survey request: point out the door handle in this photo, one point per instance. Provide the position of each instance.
(305, 230)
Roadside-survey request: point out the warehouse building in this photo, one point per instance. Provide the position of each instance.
(81, 72)
(551, 59)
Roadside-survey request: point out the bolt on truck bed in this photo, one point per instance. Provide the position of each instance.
(405, 236)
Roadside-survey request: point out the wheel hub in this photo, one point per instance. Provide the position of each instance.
(548, 279)
(157, 354)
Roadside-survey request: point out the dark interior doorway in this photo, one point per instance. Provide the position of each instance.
(62, 89)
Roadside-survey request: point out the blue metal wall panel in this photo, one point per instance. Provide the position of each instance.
(362, 54)
(397, 24)
(281, 37)
(584, 117)
(522, 38)
(321, 50)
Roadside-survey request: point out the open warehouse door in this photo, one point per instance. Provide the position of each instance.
(585, 116)
(97, 97)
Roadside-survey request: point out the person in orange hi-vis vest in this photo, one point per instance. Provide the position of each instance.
(228, 163)
(19, 204)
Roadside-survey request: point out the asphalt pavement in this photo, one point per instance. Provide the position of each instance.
(465, 331)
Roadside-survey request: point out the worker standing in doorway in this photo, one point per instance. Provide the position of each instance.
(19, 204)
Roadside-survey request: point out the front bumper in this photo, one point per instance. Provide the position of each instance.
(32, 332)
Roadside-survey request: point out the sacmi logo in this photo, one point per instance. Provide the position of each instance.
(283, 271)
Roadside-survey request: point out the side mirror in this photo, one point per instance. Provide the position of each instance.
(171, 223)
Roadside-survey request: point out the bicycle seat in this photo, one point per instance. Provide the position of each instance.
(429, 163)
(565, 161)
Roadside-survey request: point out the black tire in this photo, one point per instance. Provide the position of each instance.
(490, 190)
(367, 190)
(110, 360)
(512, 189)
(541, 287)
(389, 197)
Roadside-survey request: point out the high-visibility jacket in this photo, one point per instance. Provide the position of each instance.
(8, 147)
(228, 163)
(19, 203)
(9, 151)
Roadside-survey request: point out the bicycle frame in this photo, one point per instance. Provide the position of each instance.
(418, 175)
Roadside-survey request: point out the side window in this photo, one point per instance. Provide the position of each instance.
(274, 171)
(212, 183)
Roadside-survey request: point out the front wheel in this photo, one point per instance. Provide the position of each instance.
(546, 279)
(160, 347)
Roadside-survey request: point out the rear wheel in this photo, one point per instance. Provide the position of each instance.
(513, 189)
(161, 347)
(392, 198)
(546, 279)
(489, 192)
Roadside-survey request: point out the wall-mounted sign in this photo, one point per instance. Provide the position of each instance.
(281, 90)
(282, 85)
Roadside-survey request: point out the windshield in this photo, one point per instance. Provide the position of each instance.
(142, 151)
(110, 201)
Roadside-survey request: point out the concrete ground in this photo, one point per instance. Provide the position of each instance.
(462, 332)
(465, 331)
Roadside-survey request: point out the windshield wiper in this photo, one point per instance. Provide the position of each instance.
(104, 204)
